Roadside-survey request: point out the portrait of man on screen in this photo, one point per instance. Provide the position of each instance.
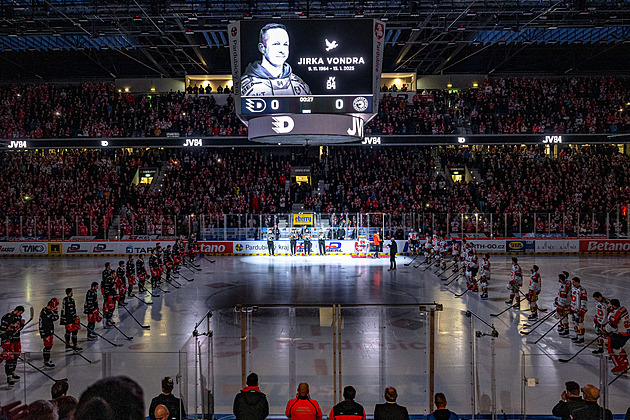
(272, 75)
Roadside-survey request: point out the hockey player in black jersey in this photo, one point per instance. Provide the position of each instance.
(10, 327)
(168, 262)
(70, 319)
(131, 275)
(108, 289)
(193, 247)
(154, 266)
(122, 278)
(141, 272)
(90, 308)
(47, 318)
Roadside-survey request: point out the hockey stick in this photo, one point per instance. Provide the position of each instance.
(505, 310)
(537, 324)
(525, 296)
(414, 258)
(444, 270)
(455, 273)
(454, 279)
(146, 327)
(191, 269)
(580, 351)
(142, 300)
(619, 376)
(186, 278)
(209, 260)
(77, 352)
(41, 371)
(428, 266)
(463, 293)
(195, 267)
(125, 335)
(146, 289)
(160, 288)
(110, 342)
(548, 331)
(170, 284)
(175, 281)
(418, 265)
(116, 326)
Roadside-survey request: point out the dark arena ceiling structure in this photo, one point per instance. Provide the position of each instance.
(86, 39)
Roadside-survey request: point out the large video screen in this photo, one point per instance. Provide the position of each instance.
(306, 66)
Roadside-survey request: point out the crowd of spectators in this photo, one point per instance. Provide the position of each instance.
(60, 193)
(586, 105)
(578, 191)
(526, 105)
(121, 398)
(98, 110)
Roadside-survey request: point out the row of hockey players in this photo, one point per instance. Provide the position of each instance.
(611, 320)
(440, 250)
(305, 234)
(115, 287)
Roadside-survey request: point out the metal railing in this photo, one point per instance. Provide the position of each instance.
(612, 225)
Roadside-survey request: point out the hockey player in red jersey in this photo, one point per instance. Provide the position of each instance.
(535, 283)
(455, 250)
(563, 302)
(602, 308)
(515, 284)
(618, 332)
(577, 310)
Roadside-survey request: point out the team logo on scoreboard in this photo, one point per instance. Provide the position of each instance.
(360, 104)
(255, 105)
(283, 124)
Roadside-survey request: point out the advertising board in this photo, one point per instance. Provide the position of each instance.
(604, 245)
(557, 245)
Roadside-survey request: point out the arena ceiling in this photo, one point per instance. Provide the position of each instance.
(70, 39)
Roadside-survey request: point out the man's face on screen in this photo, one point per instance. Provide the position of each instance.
(275, 47)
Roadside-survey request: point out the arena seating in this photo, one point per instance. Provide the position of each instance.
(585, 105)
(525, 190)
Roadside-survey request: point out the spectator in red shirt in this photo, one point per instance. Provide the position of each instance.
(302, 407)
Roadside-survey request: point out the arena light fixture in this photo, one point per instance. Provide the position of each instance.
(450, 85)
(152, 89)
(126, 89)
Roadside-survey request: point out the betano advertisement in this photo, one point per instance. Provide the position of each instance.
(338, 247)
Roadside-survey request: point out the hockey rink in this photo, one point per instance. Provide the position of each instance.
(289, 336)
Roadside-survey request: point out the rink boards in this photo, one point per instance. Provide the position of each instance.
(282, 247)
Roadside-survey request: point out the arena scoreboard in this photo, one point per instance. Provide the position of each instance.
(319, 66)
